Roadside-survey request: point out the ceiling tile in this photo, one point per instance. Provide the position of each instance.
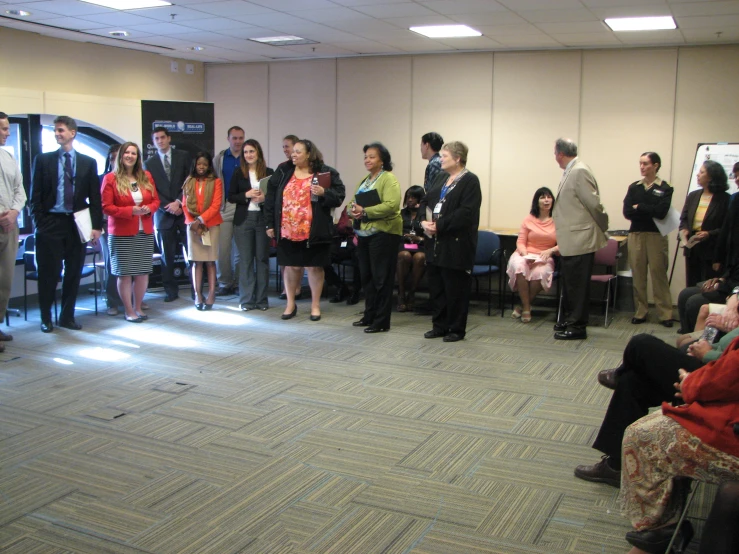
(165, 13)
(273, 20)
(572, 28)
(352, 3)
(709, 22)
(528, 5)
(643, 38)
(509, 30)
(215, 24)
(331, 15)
(247, 31)
(36, 15)
(471, 43)
(232, 8)
(319, 33)
(619, 3)
(68, 8)
(421, 20)
(558, 16)
(73, 23)
(706, 8)
(386, 11)
(587, 39)
(703, 36)
(368, 47)
(496, 18)
(162, 29)
(648, 10)
(290, 5)
(119, 19)
(449, 7)
(528, 41)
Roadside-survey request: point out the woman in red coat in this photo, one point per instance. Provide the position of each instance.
(201, 202)
(695, 440)
(129, 198)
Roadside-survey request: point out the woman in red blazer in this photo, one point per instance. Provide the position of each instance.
(129, 199)
(697, 440)
(201, 203)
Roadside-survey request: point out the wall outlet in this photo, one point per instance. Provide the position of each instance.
(174, 66)
(190, 68)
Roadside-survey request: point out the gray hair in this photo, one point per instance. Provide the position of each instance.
(457, 150)
(566, 147)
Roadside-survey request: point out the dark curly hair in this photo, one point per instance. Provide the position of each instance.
(384, 153)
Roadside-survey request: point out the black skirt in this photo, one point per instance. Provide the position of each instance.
(298, 254)
(131, 255)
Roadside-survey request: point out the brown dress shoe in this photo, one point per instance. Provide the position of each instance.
(608, 378)
(600, 473)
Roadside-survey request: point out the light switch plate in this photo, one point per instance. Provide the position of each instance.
(175, 67)
(190, 68)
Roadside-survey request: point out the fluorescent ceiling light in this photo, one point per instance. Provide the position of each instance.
(19, 13)
(285, 40)
(641, 23)
(129, 4)
(118, 34)
(446, 31)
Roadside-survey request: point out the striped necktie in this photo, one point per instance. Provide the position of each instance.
(167, 166)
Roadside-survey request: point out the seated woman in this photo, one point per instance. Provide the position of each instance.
(531, 266)
(695, 440)
(412, 257)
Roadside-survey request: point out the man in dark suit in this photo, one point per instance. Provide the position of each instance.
(169, 167)
(64, 182)
(581, 223)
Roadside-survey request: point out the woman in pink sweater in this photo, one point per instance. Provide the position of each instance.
(531, 266)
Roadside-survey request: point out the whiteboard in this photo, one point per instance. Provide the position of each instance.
(725, 153)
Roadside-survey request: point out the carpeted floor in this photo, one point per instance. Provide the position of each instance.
(224, 432)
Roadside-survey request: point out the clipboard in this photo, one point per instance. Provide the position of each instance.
(368, 199)
(262, 184)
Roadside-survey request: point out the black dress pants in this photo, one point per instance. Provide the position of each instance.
(377, 264)
(168, 242)
(646, 380)
(576, 271)
(449, 293)
(58, 244)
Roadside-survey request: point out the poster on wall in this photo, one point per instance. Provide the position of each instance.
(190, 124)
(725, 153)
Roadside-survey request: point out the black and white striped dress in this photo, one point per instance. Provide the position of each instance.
(131, 255)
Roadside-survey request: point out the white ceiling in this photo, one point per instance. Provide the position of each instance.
(362, 27)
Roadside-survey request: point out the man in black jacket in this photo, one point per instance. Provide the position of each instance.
(169, 167)
(64, 182)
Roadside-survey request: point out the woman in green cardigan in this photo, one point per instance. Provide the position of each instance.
(375, 209)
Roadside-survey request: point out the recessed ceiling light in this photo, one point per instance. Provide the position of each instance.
(197, 48)
(446, 31)
(129, 4)
(19, 13)
(285, 40)
(641, 23)
(118, 33)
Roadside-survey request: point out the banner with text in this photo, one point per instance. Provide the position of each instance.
(190, 124)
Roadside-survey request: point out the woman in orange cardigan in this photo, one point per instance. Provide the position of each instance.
(201, 203)
(697, 440)
(129, 197)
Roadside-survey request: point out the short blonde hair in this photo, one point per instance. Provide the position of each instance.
(457, 150)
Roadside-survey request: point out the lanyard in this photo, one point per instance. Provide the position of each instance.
(446, 189)
(367, 184)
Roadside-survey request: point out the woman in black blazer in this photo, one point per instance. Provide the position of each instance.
(713, 201)
(454, 198)
(249, 227)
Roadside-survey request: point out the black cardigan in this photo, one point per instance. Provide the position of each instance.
(322, 225)
(652, 203)
(237, 190)
(455, 242)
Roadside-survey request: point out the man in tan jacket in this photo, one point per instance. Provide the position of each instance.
(581, 222)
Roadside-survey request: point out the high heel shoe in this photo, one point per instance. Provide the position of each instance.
(291, 314)
(315, 317)
(199, 306)
(656, 541)
(208, 306)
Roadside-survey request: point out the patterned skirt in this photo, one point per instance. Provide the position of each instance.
(131, 255)
(656, 450)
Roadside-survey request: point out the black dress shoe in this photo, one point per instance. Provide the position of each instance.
(47, 326)
(283, 296)
(361, 323)
(609, 377)
(453, 337)
(224, 291)
(666, 323)
(171, 297)
(657, 540)
(291, 314)
(433, 334)
(263, 308)
(638, 320)
(353, 299)
(70, 324)
(571, 334)
(560, 326)
(376, 329)
(600, 473)
(340, 295)
(315, 317)
(247, 307)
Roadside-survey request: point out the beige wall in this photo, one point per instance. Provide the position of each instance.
(101, 85)
(509, 108)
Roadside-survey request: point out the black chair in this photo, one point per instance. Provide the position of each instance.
(91, 268)
(490, 258)
(30, 273)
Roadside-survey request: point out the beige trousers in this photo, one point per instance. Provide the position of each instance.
(8, 251)
(650, 250)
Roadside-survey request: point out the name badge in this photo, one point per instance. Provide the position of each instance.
(437, 208)
(658, 192)
(343, 244)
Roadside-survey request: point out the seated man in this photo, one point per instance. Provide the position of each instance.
(644, 380)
